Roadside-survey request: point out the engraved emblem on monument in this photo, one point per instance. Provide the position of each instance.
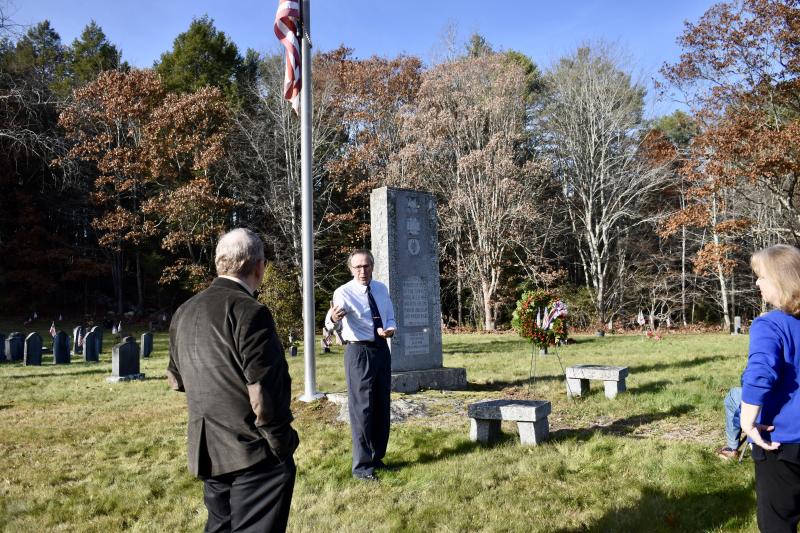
(413, 246)
(412, 203)
(415, 302)
(412, 225)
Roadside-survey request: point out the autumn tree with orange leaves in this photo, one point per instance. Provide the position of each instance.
(147, 148)
(106, 120)
(369, 97)
(739, 70)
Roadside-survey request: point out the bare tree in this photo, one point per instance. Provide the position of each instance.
(265, 163)
(466, 139)
(593, 113)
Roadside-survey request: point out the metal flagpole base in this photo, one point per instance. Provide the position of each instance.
(313, 397)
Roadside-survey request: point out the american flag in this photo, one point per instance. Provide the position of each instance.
(287, 19)
(53, 329)
(559, 309)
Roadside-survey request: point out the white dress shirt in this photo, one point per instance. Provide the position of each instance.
(357, 323)
(244, 285)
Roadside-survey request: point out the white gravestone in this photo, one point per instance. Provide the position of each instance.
(406, 249)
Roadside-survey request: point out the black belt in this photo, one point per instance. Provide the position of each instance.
(363, 343)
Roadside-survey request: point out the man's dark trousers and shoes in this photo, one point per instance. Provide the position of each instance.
(369, 382)
(255, 499)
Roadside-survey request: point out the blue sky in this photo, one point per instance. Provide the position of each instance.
(544, 30)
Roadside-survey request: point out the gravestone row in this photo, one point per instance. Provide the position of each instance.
(18, 347)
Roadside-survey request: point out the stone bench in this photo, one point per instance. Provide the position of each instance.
(530, 416)
(613, 378)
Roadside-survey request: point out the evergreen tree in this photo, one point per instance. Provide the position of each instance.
(39, 58)
(91, 54)
(201, 56)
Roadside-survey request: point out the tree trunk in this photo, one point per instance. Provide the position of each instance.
(683, 275)
(139, 284)
(116, 278)
(724, 296)
(459, 288)
(488, 318)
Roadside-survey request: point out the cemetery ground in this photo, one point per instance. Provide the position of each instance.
(80, 454)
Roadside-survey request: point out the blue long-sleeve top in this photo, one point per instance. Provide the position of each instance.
(772, 376)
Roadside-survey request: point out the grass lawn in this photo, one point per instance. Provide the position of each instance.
(80, 454)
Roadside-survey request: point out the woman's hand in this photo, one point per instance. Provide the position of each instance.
(751, 429)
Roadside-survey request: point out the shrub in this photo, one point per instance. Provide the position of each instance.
(280, 292)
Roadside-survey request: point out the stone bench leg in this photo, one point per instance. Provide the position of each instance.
(533, 433)
(614, 387)
(483, 430)
(577, 387)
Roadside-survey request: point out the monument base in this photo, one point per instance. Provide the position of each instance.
(431, 378)
(130, 377)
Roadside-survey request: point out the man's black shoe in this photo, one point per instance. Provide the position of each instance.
(366, 477)
(380, 464)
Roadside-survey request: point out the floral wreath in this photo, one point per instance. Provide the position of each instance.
(541, 318)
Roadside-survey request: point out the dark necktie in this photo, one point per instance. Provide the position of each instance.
(377, 322)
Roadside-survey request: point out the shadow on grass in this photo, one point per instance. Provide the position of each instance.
(493, 386)
(621, 427)
(652, 387)
(462, 448)
(686, 363)
(659, 511)
(83, 371)
(497, 345)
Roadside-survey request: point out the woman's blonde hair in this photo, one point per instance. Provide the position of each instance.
(781, 265)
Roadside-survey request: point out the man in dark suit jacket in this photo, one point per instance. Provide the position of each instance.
(225, 354)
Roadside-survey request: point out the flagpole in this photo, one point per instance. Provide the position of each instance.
(307, 205)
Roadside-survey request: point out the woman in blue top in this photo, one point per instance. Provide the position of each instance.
(770, 414)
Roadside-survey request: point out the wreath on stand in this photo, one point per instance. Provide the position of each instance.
(541, 318)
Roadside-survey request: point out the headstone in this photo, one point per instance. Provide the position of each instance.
(61, 355)
(406, 250)
(147, 344)
(125, 362)
(91, 353)
(98, 331)
(15, 346)
(77, 339)
(2, 347)
(33, 350)
(737, 325)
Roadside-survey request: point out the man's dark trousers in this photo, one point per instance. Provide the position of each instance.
(368, 371)
(256, 499)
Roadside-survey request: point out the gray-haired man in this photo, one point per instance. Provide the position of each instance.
(225, 354)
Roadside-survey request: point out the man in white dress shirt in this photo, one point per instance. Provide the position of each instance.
(362, 311)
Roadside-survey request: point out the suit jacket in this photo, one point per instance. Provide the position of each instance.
(225, 354)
